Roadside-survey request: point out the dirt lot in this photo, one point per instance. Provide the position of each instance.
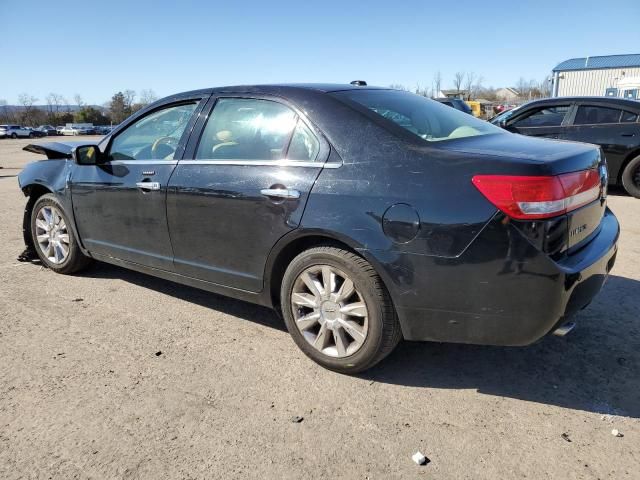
(86, 393)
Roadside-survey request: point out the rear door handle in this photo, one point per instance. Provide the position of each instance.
(280, 193)
(148, 185)
(627, 134)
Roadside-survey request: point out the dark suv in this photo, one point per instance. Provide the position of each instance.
(365, 215)
(612, 123)
(456, 103)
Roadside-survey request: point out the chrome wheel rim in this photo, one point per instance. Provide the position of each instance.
(52, 234)
(329, 311)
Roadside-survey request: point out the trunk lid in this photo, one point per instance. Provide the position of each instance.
(513, 156)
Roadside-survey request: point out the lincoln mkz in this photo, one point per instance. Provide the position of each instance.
(364, 215)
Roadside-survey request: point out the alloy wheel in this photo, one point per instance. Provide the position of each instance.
(329, 312)
(52, 234)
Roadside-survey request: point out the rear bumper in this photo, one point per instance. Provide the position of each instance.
(500, 291)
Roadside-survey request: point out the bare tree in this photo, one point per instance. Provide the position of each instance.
(27, 102)
(458, 78)
(398, 86)
(468, 84)
(476, 88)
(54, 102)
(524, 88)
(6, 115)
(78, 100)
(129, 98)
(147, 96)
(437, 83)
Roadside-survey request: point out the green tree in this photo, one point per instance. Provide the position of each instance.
(90, 115)
(119, 108)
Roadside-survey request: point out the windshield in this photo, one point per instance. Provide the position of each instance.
(428, 119)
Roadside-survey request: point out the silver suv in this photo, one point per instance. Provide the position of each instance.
(14, 131)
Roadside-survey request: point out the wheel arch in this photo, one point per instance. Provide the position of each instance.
(33, 191)
(630, 156)
(289, 246)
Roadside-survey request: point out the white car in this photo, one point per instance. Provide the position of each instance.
(14, 131)
(73, 131)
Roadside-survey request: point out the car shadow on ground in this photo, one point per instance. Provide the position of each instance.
(595, 368)
(247, 311)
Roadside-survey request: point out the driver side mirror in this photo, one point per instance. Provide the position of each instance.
(503, 124)
(86, 155)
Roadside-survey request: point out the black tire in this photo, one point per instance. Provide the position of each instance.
(383, 327)
(14, 135)
(631, 177)
(31, 135)
(75, 260)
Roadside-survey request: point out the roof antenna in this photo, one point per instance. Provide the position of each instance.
(359, 83)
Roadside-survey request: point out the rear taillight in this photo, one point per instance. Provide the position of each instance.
(530, 198)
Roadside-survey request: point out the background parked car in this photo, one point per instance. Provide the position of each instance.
(103, 130)
(48, 130)
(59, 129)
(76, 130)
(612, 123)
(456, 103)
(15, 131)
(35, 133)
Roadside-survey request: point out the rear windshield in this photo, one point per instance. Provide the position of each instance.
(428, 119)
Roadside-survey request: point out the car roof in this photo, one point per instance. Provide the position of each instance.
(621, 102)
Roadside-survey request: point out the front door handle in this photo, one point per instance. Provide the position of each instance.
(280, 193)
(148, 185)
(627, 134)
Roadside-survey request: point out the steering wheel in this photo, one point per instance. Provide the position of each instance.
(157, 152)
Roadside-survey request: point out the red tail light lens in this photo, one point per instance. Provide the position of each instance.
(530, 198)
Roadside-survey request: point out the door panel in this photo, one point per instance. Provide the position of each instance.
(541, 121)
(223, 227)
(603, 125)
(245, 186)
(120, 204)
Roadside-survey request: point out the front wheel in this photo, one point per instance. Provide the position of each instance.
(631, 177)
(337, 310)
(53, 237)
(14, 135)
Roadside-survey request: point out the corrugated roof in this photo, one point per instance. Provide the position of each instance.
(605, 61)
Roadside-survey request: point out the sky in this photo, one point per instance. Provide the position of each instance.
(98, 48)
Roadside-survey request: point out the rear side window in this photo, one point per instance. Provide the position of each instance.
(592, 115)
(304, 144)
(247, 129)
(543, 117)
(427, 119)
(629, 117)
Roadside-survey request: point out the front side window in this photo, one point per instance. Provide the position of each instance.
(543, 117)
(428, 119)
(154, 136)
(247, 129)
(591, 115)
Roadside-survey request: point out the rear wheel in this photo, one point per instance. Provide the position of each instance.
(53, 237)
(631, 177)
(14, 135)
(337, 310)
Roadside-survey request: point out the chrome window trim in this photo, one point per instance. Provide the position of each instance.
(141, 162)
(263, 163)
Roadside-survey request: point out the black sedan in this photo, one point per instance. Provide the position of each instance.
(612, 123)
(364, 215)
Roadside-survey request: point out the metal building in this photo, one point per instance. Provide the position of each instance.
(610, 75)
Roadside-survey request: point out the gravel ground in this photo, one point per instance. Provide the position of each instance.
(114, 374)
